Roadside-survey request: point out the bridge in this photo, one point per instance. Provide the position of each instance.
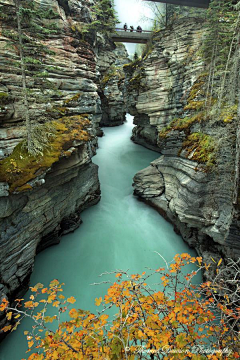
(131, 36)
(193, 3)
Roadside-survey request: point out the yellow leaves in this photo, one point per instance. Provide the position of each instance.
(71, 300)
(185, 256)
(181, 340)
(9, 315)
(164, 280)
(28, 304)
(199, 260)
(56, 303)
(30, 344)
(207, 266)
(219, 263)
(98, 301)
(36, 287)
(103, 317)
(55, 355)
(176, 317)
(73, 313)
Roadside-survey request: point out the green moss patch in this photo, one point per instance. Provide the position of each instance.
(229, 113)
(4, 98)
(180, 124)
(194, 105)
(21, 167)
(201, 147)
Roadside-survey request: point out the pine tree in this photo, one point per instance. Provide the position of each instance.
(24, 85)
(26, 20)
(104, 18)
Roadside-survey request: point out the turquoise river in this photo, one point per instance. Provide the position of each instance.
(120, 232)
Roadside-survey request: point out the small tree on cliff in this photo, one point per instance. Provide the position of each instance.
(104, 18)
(24, 85)
(19, 27)
(180, 321)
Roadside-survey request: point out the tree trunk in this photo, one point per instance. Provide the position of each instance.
(24, 86)
(237, 160)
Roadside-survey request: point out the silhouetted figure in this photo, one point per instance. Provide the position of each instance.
(131, 28)
(125, 27)
(139, 29)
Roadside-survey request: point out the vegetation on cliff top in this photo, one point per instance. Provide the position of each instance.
(104, 18)
(213, 96)
(56, 137)
(181, 320)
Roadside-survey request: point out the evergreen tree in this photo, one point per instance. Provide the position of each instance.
(19, 27)
(104, 18)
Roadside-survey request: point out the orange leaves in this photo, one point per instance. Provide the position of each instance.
(73, 313)
(56, 303)
(30, 344)
(29, 304)
(164, 280)
(71, 300)
(176, 317)
(4, 304)
(98, 301)
(6, 328)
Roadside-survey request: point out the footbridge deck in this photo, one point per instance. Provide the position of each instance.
(131, 36)
(194, 3)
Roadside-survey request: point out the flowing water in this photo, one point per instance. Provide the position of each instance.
(120, 232)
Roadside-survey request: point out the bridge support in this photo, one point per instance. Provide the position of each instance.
(131, 37)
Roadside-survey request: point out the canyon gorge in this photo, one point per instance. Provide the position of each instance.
(79, 81)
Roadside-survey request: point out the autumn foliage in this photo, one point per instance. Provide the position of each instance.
(182, 321)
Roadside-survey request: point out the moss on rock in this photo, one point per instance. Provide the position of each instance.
(20, 167)
(201, 148)
(181, 124)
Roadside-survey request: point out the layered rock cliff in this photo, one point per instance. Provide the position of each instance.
(192, 183)
(41, 197)
(111, 59)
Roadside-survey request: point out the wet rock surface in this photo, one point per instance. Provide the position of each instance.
(34, 219)
(196, 198)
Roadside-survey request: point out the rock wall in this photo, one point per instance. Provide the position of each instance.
(62, 84)
(61, 73)
(192, 183)
(33, 220)
(111, 59)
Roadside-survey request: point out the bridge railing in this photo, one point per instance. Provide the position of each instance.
(134, 30)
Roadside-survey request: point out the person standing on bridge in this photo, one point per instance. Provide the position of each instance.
(125, 27)
(139, 29)
(131, 28)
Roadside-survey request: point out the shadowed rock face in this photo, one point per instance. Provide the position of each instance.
(32, 220)
(197, 199)
(110, 62)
